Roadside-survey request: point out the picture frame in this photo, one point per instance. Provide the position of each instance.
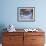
(26, 14)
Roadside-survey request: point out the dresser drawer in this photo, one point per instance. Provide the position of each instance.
(34, 33)
(37, 44)
(13, 44)
(12, 39)
(37, 39)
(13, 33)
(27, 41)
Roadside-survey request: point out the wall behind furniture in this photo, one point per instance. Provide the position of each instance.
(8, 13)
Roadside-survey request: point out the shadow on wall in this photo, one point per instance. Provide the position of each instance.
(2, 26)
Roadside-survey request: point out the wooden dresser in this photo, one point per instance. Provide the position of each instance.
(23, 39)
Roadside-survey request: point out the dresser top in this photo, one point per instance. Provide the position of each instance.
(22, 30)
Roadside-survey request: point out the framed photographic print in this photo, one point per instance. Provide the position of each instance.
(26, 14)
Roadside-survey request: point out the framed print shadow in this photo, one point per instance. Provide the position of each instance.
(26, 14)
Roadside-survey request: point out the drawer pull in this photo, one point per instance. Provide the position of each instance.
(10, 38)
(33, 39)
